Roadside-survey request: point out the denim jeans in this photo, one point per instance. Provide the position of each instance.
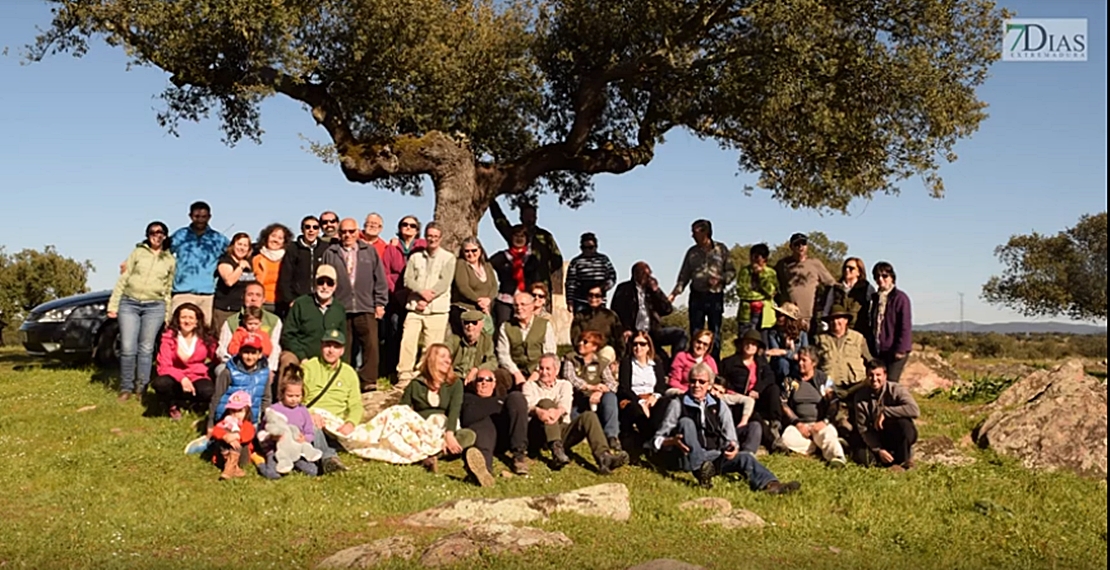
(608, 412)
(320, 441)
(707, 311)
(139, 324)
(744, 463)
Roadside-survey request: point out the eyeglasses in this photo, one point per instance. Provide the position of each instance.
(335, 221)
(325, 281)
(156, 233)
(883, 276)
(409, 225)
(701, 381)
(700, 343)
(851, 268)
(539, 295)
(348, 231)
(468, 251)
(640, 344)
(311, 227)
(594, 296)
(472, 323)
(484, 379)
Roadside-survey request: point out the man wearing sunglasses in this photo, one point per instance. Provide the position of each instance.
(362, 289)
(297, 274)
(309, 317)
(700, 429)
(500, 422)
(472, 352)
(329, 227)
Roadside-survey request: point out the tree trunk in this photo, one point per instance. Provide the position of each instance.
(461, 201)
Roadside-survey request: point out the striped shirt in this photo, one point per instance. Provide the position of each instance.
(586, 271)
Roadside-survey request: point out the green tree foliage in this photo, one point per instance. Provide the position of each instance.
(32, 277)
(830, 252)
(827, 101)
(1064, 274)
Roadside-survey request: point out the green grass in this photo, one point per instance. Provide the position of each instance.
(109, 488)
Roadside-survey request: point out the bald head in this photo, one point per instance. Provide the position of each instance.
(348, 231)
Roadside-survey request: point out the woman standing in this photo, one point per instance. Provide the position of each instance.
(139, 302)
(474, 287)
(891, 322)
(183, 357)
(267, 262)
(853, 293)
(516, 267)
(233, 271)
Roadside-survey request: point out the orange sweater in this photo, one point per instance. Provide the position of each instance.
(266, 272)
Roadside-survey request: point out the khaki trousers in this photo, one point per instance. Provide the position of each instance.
(418, 330)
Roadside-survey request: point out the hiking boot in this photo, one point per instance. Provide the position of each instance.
(520, 464)
(175, 413)
(333, 465)
(231, 466)
(123, 397)
(610, 460)
(909, 464)
(778, 488)
(431, 464)
(614, 444)
(705, 474)
(780, 446)
(559, 457)
(475, 464)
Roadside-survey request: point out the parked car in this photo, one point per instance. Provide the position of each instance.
(75, 328)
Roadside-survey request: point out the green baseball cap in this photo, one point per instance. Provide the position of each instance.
(334, 335)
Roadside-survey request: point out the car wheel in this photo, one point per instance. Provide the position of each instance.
(107, 346)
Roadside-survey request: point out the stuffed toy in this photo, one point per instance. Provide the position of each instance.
(287, 449)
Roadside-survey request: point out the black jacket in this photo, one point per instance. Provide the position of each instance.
(297, 275)
(624, 379)
(626, 304)
(737, 376)
(503, 266)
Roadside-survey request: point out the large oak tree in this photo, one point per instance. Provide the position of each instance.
(828, 100)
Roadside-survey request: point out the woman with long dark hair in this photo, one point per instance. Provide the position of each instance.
(186, 349)
(139, 303)
(266, 264)
(853, 293)
(233, 272)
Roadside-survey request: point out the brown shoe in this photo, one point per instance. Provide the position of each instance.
(123, 397)
(475, 463)
(231, 466)
(520, 464)
(778, 488)
(896, 469)
(431, 464)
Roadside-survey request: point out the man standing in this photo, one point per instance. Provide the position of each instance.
(331, 385)
(588, 268)
(361, 288)
(329, 227)
(473, 351)
(640, 304)
(595, 317)
(521, 342)
(297, 275)
(309, 317)
(701, 430)
(196, 249)
(549, 401)
(800, 276)
(885, 431)
(707, 268)
(428, 277)
(540, 242)
(254, 296)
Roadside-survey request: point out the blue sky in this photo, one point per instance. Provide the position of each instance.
(84, 166)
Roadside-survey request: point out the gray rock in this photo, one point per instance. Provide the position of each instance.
(609, 500)
(492, 539)
(736, 519)
(719, 504)
(372, 554)
(941, 450)
(665, 564)
(1051, 419)
(926, 371)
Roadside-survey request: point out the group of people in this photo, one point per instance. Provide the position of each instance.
(287, 333)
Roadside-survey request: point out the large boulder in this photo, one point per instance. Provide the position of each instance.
(371, 555)
(491, 539)
(609, 500)
(1051, 419)
(926, 371)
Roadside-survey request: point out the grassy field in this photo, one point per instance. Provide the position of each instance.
(109, 488)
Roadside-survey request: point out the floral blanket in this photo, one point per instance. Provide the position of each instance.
(396, 435)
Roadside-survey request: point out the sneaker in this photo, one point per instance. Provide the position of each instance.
(614, 444)
(705, 474)
(520, 464)
(838, 463)
(778, 488)
(175, 413)
(611, 460)
(559, 455)
(475, 464)
(843, 443)
(198, 445)
(333, 465)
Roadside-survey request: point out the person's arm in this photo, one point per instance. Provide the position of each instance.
(531, 395)
(624, 381)
(406, 396)
(291, 335)
(565, 399)
(658, 302)
(221, 385)
(864, 350)
(747, 406)
(229, 274)
(267, 394)
(616, 334)
(768, 284)
(824, 276)
(570, 284)
(354, 397)
(679, 367)
(275, 344)
(304, 423)
(501, 222)
(285, 294)
(381, 282)
(683, 276)
(660, 377)
(454, 405)
(410, 280)
(556, 255)
(117, 291)
(504, 353)
(549, 343)
(903, 344)
(166, 351)
(167, 286)
(442, 285)
(571, 375)
(575, 327)
(728, 275)
(725, 415)
(610, 275)
(668, 424)
(903, 405)
(607, 379)
(864, 424)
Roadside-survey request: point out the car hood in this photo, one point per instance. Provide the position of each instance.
(74, 301)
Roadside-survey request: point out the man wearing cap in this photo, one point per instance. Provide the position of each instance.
(800, 276)
(428, 278)
(707, 269)
(333, 386)
(842, 353)
(309, 316)
(362, 288)
(586, 269)
(473, 351)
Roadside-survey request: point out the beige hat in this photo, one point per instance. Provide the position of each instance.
(790, 310)
(326, 270)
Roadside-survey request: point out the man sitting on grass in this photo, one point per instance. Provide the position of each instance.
(333, 386)
(884, 414)
(701, 429)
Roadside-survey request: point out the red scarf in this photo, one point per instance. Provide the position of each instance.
(518, 254)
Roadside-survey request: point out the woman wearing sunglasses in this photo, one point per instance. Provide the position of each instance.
(474, 286)
(641, 383)
(139, 302)
(853, 292)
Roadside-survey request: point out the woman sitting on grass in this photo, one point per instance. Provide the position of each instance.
(809, 413)
(183, 357)
(437, 395)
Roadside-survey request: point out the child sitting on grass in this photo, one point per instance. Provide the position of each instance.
(233, 434)
(290, 405)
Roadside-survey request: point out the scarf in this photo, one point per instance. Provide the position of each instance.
(518, 255)
(880, 311)
(274, 256)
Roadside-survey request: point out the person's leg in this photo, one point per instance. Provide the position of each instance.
(485, 439)
(515, 412)
(167, 389)
(129, 319)
(320, 442)
(898, 437)
(435, 330)
(747, 465)
(151, 318)
(506, 384)
(714, 313)
(204, 389)
(828, 441)
(697, 310)
(502, 312)
(587, 427)
(689, 432)
(306, 467)
(608, 413)
(368, 334)
(269, 468)
(750, 436)
(466, 437)
(793, 440)
(894, 368)
(410, 340)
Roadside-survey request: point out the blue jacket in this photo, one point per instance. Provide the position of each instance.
(196, 260)
(255, 382)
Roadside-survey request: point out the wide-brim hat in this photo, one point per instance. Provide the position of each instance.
(837, 311)
(751, 335)
(790, 310)
(334, 335)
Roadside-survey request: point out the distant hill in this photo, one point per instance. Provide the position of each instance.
(1010, 328)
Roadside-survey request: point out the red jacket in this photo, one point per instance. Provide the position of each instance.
(170, 364)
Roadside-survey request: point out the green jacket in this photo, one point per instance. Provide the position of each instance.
(305, 325)
(764, 289)
(147, 276)
(450, 401)
(343, 398)
(466, 357)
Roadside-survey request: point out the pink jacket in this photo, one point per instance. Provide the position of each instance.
(170, 364)
(681, 366)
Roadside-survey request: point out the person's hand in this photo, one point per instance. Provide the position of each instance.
(421, 305)
(518, 378)
(817, 427)
(676, 441)
(714, 281)
(232, 439)
(672, 297)
(483, 304)
(317, 421)
(450, 444)
(731, 451)
(803, 429)
(879, 421)
(743, 424)
(899, 355)
(245, 264)
(379, 313)
(534, 376)
(428, 295)
(300, 438)
(346, 428)
(789, 344)
(646, 407)
(754, 395)
(885, 457)
(595, 397)
(394, 242)
(653, 284)
(187, 386)
(112, 314)
(652, 400)
(625, 336)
